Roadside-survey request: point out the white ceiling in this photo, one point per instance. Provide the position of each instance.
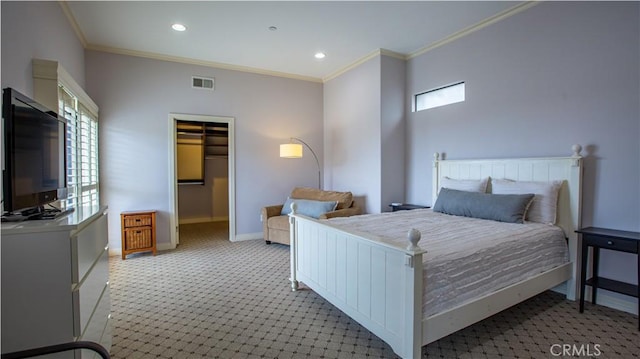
(235, 34)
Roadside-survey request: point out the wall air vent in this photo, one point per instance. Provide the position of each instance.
(205, 83)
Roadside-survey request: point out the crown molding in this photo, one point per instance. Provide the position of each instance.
(473, 28)
(393, 54)
(87, 46)
(73, 22)
(379, 52)
(190, 61)
(362, 60)
(455, 36)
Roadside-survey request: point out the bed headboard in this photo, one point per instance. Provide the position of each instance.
(567, 169)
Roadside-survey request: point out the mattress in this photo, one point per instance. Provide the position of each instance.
(466, 258)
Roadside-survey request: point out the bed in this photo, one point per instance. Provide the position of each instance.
(379, 280)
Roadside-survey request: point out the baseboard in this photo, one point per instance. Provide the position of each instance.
(560, 288)
(248, 236)
(165, 246)
(115, 252)
(615, 301)
(202, 220)
(607, 299)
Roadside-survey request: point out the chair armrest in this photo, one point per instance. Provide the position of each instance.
(271, 211)
(265, 214)
(345, 212)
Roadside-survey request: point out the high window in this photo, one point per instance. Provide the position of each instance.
(439, 97)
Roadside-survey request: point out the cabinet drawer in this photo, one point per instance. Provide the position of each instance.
(137, 238)
(87, 295)
(611, 243)
(87, 245)
(98, 329)
(137, 220)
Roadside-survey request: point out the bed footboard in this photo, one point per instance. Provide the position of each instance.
(376, 283)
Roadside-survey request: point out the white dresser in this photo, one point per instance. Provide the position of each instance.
(55, 282)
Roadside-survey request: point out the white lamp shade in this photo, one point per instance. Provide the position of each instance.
(291, 150)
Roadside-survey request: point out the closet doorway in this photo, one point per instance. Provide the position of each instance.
(202, 171)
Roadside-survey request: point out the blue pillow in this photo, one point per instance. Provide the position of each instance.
(509, 208)
(309, 207)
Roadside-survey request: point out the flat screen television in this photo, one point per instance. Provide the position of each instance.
(34, 154)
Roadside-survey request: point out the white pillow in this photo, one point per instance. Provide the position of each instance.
(545, 202)
(465, 184)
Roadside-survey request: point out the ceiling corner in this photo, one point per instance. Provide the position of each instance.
(72, 21)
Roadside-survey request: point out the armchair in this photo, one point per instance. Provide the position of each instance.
(276, 226)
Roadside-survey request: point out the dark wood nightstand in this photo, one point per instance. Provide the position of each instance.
(405, 206)
(597, 238)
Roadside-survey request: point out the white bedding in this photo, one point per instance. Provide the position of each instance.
(466, 257)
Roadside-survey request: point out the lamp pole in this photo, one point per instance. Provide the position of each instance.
(314, 156)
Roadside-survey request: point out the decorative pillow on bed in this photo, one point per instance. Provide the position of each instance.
(498, 207)
(465, 184)
(309, 207)
(545, 202)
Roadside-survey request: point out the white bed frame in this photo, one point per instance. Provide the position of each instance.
(379, 284)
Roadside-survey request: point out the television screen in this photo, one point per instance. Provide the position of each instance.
(34, 153)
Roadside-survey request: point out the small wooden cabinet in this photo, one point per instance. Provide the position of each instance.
(138, 232)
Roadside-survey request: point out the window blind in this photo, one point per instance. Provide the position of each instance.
(82, 151)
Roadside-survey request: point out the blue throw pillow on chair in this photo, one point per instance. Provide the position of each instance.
(308, 207)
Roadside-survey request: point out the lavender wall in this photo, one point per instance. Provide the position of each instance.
(537, 82)
(136, 96)
(365, 132)
(352, 134)
(37, 29)
(392, 132)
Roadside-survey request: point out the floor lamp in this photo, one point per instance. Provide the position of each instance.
(294, 150)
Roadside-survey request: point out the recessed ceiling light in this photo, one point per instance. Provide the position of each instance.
(178, 27)
(319, 55)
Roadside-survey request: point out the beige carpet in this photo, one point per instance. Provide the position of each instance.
(211, 298)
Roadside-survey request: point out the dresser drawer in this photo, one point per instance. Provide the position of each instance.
(611, 243)
(88, 294)
(87, 245)
(98, 329)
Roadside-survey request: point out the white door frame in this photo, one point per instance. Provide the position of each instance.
(173, 171)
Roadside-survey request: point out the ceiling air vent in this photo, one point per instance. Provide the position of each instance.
(202, 83)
